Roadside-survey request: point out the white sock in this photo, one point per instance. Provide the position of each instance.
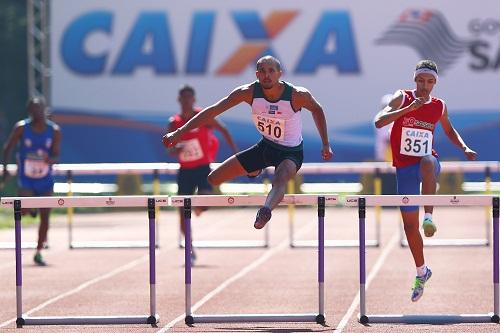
(422, 270)
(428, 216)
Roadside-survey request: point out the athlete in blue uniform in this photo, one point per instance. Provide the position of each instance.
(38, 145)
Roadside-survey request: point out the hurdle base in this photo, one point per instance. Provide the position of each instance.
(89, 320)
(333, 243)
(426, 319)
(227, 244)
(20, 322)
(253, 318)
(451, 242)
(111, 245)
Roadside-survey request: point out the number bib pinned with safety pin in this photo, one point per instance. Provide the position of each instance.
(416, 142)
(271, 128)
(190, 151)
(35, 168)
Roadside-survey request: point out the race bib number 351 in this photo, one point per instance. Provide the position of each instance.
(270, 128)
(416, 142)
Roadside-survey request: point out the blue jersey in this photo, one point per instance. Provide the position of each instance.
(33, 152)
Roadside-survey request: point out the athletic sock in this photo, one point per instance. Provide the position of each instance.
(422, 270)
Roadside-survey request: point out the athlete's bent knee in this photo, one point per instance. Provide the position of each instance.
(212, 179)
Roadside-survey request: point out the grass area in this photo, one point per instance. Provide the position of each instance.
(7, 219)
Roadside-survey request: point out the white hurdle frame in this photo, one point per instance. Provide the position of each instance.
(420, 200)
(256, 200)
(151, 202)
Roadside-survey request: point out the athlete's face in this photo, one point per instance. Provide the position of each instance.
(425, 83)
(186, 100)
(268, 74)
(37, 112)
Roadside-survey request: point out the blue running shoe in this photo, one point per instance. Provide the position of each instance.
(429, 227)
(418, 287)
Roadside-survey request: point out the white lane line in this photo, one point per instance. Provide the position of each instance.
(375, 269)
(245, 270)
(8, 265)
(82, 286)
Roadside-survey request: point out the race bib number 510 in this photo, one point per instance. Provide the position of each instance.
(270, 128)
(416, 142)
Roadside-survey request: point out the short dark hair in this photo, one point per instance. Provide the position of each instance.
(186, 88)
(35, 100)
(271, 59)
(429, 64)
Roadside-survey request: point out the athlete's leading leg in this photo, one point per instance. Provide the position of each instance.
(229, 169)
(429, 169)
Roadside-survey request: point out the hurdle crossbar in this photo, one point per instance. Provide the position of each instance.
(435, 200)
(92, 201)
(118, 201)
(242, 200)
(110, 244)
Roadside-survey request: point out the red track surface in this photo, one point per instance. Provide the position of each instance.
(274, 280)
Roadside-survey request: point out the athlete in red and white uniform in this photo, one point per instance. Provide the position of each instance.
(195, 150)
(415, 114)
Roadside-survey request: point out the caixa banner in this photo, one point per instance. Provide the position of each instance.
(125, 59)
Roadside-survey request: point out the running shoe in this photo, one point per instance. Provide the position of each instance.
(263, 216)
(418, 286)
(38, 259)
(429, 227)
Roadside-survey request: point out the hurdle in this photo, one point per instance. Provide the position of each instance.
(240, 200)
(86, 201)
(436, 200)
(232, 244)
(69, 170)
(340, 168)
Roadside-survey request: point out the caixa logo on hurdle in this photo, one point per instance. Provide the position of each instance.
(110, 202)
(7, 203)
(454, 200)
(351, 200)
(405, 200)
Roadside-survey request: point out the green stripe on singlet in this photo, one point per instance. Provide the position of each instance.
(285, 96)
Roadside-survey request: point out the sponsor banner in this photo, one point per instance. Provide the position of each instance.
(129, 57)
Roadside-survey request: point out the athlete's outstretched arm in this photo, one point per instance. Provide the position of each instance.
(303, 98)
(14, 137)
(454, 137)
(238, 95)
